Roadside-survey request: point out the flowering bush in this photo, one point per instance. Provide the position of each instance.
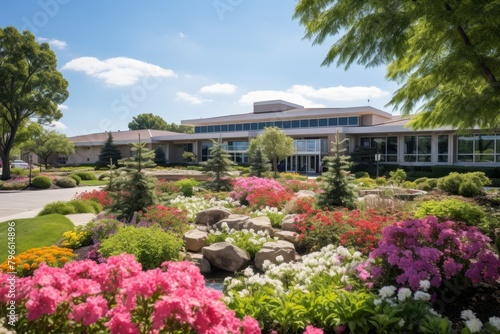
(259, 192)
(194, 204)
(426, 249)
(27, 262)
(166, 187)
(77, 237)
(296, 185)
(169, 219)
(100, 196)
(118, 297)
(474, 325)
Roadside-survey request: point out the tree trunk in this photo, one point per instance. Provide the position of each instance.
(275, 168)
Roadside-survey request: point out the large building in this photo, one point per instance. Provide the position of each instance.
(313, 130)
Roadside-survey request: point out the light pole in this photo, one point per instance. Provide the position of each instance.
(30, 161)
(378, 156)
(377, 159)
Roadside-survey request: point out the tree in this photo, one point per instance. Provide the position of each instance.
(160, 157)
(154, 122)
(133, 190)
(108, 151)
(260, 163)
(30, 87)
(275, 145)
(337, 190)
(47, 142)
(218, 166)
(446, 54)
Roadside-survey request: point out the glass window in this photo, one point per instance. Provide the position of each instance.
(231, 127)
(332, 122)
(197, 129)
(286, 124)
(203, 129)
(279, 124)
(246, 126)
(239, 127)
(392, 145)
(295, 124)
(262, 125)
(210, 128)
(269, 124)
(216, 128)
(313, 123)
(343, 121)
(417, 148)
(443, 148)
(410, 147)
(254, 126)
(223, 128)
(304, 123)
(353, 120)
(365, 142)
(323, 122)
(205, 150)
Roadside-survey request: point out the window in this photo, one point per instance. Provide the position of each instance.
(239, 127)
(343, 121)
(197, 129)
(295, 124)
(323, 122)
(332, 122)
(205, 150)
(223, 128)
(253, 126)
(216, 128)
(353, 120)
(269, 124)
(313, 123)
(246, 126)
(417, 149)
(304, 123)
(386, 146)
(210, 128)
(287, 124)
(443, 148)
(262, 125)
(231, 127)
(203, 129)
(477, 148)
(279, 124)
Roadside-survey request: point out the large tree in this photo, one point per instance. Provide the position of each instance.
(110, 154)
(30, 86)
(446, 54)
(155, 122)
(46, 142)
(275, 145)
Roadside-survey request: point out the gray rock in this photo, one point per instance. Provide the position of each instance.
(289, 236)
(195, 240)
(211, 216)
(261, 223)
(226, 256)
(272, 250)
(200, 261)
(236, 222)
(288, 223)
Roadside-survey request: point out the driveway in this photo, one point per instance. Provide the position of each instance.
(27, 203)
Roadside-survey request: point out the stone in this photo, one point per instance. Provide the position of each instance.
(289, 236)
(195, 240)
(375, 201)
(235, 222)
(200, 261)
(288, 223)
(261, 223)
(272, 250)
(226, 256)
(305, 193)
(211, 216)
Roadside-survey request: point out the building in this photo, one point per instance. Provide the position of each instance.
(313, 130)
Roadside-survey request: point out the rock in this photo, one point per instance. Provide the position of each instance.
(261, 223)
(375, 201)
(272, 250)
(236, 222)
(211, 216)
(195, 240)
(305, 193)
(200, 261)
(288, 223)
(226, 256)
(289, 236)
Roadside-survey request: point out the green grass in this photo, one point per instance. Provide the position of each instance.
(94, 183)
(34, 232)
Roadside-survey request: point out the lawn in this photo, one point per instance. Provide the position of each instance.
(94, 183)
(34, 232)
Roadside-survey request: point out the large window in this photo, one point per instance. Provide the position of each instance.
(205, 150)
(443, 148)
(417, 149)
(386, 146)
(477, 148)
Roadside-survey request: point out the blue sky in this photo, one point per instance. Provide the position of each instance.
(186, 59)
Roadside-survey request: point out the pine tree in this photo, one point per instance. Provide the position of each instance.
(260, 163)
(218, 166)
(337, 190)
(109, 151)
(133, 190)
(160, 157)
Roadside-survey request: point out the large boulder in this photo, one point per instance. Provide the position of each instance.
(276, 252)
(211, 216)
(200, 261)
(226, 256)
(289, 236)
(235, 222)
(288, 223)
(195, 240)
(261, 223)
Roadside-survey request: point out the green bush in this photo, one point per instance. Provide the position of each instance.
(66, 182)
(76, 178)
(101, 229)
(469, 189)
(451, 183)
(83, 206)
(186, 186)
(19, 172)
(151, 246)
(42, 182)
(86, 175)
(361, 174)
(104, 176)
(409, 185)
(365, 183)
(397, 177)
(453, 209)
(381, 181)
(14, 185)
(60, 207)
(421, 180)
(427, 185)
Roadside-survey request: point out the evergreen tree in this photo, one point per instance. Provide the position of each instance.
(109, 151)
(260, 163)
(133, 190)
(218, 166)
(160, 157)
(337, 190)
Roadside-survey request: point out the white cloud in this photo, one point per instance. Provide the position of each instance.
(218, 88)
(119, 71)
(56, 125)
(307, 95)
(63, 107)
(192, 99)
(56, 43)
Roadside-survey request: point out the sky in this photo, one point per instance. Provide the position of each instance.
(186, 59)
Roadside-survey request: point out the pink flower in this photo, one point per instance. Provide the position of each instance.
(250, 326)
(313, 330)
(43, 301)
(120, 322)
(91, 310)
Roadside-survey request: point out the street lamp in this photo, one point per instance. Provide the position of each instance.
(377, 159)
(378, 156)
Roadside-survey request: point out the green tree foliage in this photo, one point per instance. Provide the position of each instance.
(275, 145)
(45, 143)
(260, 163)
(160, 157)
(155, 122)
(188, 156)
(30, 87)
(133, 190)
(337, 189)
(445, 54)
(108, 151)
(218, 166)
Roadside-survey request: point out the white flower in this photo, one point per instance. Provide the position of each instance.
(230, 240)
(387, 291)
(401, 323)
(425, 285)
(377, 302)
(495, 322)
(467, 315)
(404, 293)
(420, 295)
(474, 325)
(279, 258)
(248, 272)
(266, 264)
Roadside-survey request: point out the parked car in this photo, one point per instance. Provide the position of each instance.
(20, 164)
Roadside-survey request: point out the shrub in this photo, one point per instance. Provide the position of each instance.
(169, 219)
(453, 209)
(100, 196)
(451, 183)
(397, 177)
(76, 238)
(427, 185)
(361, 174)
(66, 182)
(297, 185)
(186, 186)
(19, 172)
(75, 177)
(167, 187)
(381, 181)
(101, 229)
(60, 207)
(261, 191)
(469, 189)
(293, 176)
(85, 206)
(150, 245)
(42, 182)
(421, 180)
(365, 183)
(409, 185)
(86, 175)
(26, 262)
